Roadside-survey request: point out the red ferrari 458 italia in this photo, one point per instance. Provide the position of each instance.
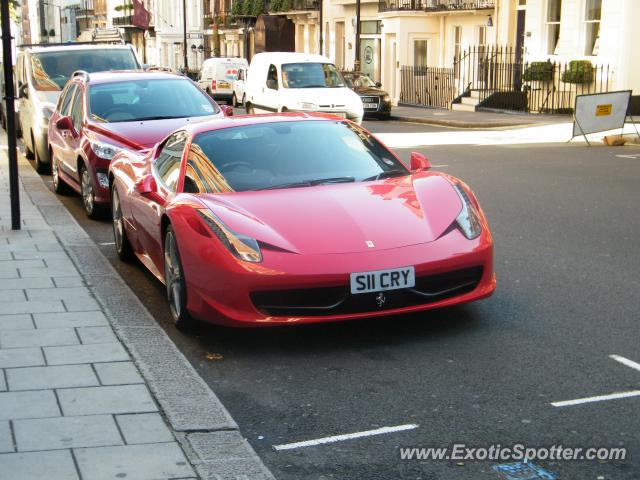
(297, 218)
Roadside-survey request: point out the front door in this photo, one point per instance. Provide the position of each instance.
(519, 49)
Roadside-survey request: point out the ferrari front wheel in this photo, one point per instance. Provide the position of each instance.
(174, 279)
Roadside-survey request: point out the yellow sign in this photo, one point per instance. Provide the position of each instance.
(603, 110)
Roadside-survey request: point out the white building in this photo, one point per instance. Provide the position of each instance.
(602, 31)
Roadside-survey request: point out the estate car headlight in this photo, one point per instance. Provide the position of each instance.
(104, 150)
(307, 105)
(243, 247)
(468, 221)
(386, 98)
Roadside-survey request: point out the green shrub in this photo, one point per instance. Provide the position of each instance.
(579, 71)
(538, 71)
(276, 5)
(237, 7)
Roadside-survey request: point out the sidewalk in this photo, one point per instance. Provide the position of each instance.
(453, 118)
(90, 386)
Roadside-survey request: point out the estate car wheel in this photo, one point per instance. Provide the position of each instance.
(27, 151)
(174, 279)
(250, 109)
(123, 247)
(59, 185)
(88, 196)
(42, 168)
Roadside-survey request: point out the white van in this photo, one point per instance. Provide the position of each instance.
(283, 81)
(217, 75)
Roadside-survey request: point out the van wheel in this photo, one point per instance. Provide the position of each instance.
(234, 100)
(244, 100)
(250, 109)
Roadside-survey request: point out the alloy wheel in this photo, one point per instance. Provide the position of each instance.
(87, 192)
(118, 225)
(172, 276)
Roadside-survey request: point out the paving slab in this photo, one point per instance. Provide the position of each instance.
(40, 378)
(66, 432)
(99, 352)
(106, 400)
(3, 383)
(54, 465)
(118, 373)
(31, 306)
(21, 357)
(38, 338)
(69, 319)
(22, 283)
(36, 404)
(144, 428)
(16, 322)
(6, 440)
(139, 462)
(89, 335)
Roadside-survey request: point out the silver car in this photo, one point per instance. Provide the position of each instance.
(41, 74)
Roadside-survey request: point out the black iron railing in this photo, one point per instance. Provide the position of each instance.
(498, 78)
(123, 21)
(435, 5)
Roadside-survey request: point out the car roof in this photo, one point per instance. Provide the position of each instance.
(245, 120)
(124, 75)
(71, 46)
(292, 57)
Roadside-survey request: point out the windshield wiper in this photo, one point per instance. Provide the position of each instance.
(158, 117)
(396, 172)
(313, 86)
(310, 183)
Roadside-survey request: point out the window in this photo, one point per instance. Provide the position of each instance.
(592, 26)
(76, 110)
(370, 27)
(272, 78)
(481, 38)
(457, 48)
(200, 175)
(167, 165)
(64, 105)
(554, 13)
(310, 75)
(420, 53)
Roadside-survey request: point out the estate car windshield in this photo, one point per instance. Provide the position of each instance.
(358, 81)
(292, 154)
(137, 100)
(311, 75)
(51, 70)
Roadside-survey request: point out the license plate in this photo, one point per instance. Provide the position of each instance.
(379, 280)
(223, 85)
(370, 105)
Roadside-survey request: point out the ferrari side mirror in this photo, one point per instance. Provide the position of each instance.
(227, 110)
(419, 162)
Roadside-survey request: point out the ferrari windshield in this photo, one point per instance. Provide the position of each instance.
(51, 70)
(137, 100)
(310, 75)
(294, 154)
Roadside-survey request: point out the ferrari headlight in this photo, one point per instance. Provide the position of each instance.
(104, 150)
(468, 220)
(243, 247)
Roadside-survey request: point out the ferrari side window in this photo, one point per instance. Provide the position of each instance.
(167, 165)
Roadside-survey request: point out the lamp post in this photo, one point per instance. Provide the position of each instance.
(184, 36)
(356, 64)
(59, 17)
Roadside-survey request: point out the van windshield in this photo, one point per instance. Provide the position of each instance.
(51, 70)
(311, 75)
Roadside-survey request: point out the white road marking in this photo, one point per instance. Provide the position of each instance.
(439, 166)
(628, 156)
(107, 243)
(347, 436)
(626, 361)
(599, 398)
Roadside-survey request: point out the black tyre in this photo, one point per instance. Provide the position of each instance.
(244, 101)
(27, 151)
(59, 185)
(88, 196)
(123, 247)
(174, 279)
(250, 109)
(42, 167)
(234, 100)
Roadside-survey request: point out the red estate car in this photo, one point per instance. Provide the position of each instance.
(100, 114)
(296, 218)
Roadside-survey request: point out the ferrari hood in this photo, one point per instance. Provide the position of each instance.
(344, 218)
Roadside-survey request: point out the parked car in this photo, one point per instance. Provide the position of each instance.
(3, 105)
(100, 114)
(217, 75)
(376, 102)
(296, 218)
(281, 82)
(239, 86)
(41, 74)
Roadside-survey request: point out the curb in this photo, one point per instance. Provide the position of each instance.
(456, 123)
(207, 433)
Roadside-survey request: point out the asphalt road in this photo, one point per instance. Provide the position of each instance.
(565, 223)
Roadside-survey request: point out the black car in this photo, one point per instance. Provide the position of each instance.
(376, 102)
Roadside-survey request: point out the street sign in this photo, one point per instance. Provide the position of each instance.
(599, 112)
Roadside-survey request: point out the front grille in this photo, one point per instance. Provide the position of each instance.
(338, 300)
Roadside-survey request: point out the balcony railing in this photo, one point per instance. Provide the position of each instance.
(435, 5)
(124, 21)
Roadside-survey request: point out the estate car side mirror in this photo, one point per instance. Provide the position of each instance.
(378, 85)
(419, 162)
(227, 110)
(23, 91)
